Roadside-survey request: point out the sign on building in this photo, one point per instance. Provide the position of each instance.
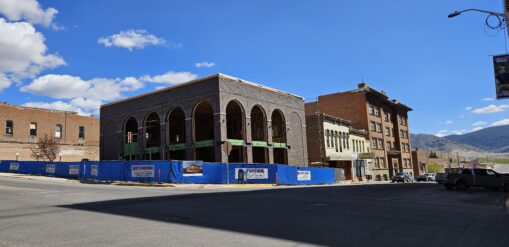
(501, 65)
(74, 170)
(303, 175)
(142, 171)
(14, 166)
(253, 173)
(94, 170)
(50, 168)
(192, 168)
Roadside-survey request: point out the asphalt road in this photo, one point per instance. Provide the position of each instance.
(59, 213)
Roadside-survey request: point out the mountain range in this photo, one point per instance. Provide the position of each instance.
(491, 140)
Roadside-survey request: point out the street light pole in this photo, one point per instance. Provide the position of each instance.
(456, 13)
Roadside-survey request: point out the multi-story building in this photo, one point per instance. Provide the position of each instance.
(332, 141)
(385, 120)
(196, 120)
(78, 136)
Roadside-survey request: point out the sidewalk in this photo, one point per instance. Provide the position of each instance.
(169, 185)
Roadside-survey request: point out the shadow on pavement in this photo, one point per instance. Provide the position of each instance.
(374, 215)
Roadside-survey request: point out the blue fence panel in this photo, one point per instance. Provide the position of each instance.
(315, 175)
(213, 173)
(148, 171)
(253, 173)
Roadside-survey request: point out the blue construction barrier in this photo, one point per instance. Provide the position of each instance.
(173, 172)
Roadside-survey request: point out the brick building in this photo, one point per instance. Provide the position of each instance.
(421, 161)
(194, 120)
(332, 141)
(385, 120)
(77, 135)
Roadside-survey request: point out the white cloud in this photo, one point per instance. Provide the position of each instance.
(131, 39)
(23, 53)
(501, 122)
(86, 96)
(479, 123)
(28, 10)
(458, 132)
(477, 128)
(57, 105)
(170, 77)
(448, 122)
(204, 64)
(490, 109)
(488, 99)
(468, 108)
(462, 116)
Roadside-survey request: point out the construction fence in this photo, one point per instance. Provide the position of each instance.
(195, 172)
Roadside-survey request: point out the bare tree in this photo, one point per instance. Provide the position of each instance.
(46, 148)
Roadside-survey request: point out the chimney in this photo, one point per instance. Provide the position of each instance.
(362, 85)
(383, 92)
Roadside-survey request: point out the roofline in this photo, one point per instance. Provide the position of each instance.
(48, 110)
(218, 75)
(334, 118)
(376, 93)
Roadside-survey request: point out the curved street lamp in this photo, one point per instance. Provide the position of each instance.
(456, 13)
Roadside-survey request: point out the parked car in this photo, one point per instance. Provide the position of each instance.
(402, 177)
(431, 176)
(428, 177)
(441, 178)
(477, 177)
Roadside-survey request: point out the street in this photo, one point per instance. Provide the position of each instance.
(47, 212)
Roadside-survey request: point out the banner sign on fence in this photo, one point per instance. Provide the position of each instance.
(14, 166)
(50, 168)
(94, 170)
(142, 171)
(74, 170)
(501, 65)
(253, 173)
(192, 168)
(303, 175)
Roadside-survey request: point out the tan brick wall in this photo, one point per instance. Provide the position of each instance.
(73, 148)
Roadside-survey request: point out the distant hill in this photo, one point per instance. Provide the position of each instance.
(493, 139)
(432, 142)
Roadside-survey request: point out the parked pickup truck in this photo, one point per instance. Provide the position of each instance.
(477, 178)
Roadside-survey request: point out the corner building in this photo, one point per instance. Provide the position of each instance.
(194, 120)
(78, 136)
(386, 123)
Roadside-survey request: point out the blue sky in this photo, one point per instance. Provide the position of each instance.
(76, 55)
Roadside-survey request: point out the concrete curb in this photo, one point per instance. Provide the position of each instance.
(143, 184)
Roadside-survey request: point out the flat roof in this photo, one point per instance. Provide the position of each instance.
(218, 75)
(44, 109)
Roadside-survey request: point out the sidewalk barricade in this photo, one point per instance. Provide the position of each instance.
(173, 172)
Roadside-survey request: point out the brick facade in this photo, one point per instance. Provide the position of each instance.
(217, 92)
(18, 140)
(372, 111)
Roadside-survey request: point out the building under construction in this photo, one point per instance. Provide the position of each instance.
(195, 120)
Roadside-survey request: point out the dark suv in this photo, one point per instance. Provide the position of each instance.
(478, 178)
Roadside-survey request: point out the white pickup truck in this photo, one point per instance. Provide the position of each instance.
(478, 177)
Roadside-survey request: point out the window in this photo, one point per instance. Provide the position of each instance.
(371, 110)
(387, 131)
(380, 144)
(386, 116)
(33, 129)
(58, 131)
(374, 143)
(373, 126)
(9, 127)
(389, 146)
(377, 111)
(362, 143)
(379, 128)
(382, 163)
(81, 134)
(328, 137)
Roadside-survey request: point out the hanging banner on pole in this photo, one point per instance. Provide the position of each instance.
(501, 65)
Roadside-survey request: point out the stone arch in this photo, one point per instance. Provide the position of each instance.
(130, 139)
(259, 135)
(152, 127)
(203, 131)
(236, 131)
(280, 152)
(176, 134)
